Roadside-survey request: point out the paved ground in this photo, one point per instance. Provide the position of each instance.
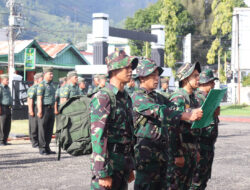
(21, 167)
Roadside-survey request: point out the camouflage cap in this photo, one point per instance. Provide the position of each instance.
(38, 75)
(2, 76)
(81, 79)
(164, 80)
(47, 69)
(207, 76)
(119, 60)
(72, 74)
(186, 70)
(146, 67)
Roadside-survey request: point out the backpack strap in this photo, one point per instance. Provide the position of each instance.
(112, 101)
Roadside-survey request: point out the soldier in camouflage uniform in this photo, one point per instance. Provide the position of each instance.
(33, 124)
(183, 141)
(101, 83)
(45, 111)
(82, 86)
(208, 136)
(153, 115)
(112, 162)
(164, 88)
(62, 83)
(5, 109)
(71, 89)
(130, 87)
(96, 82)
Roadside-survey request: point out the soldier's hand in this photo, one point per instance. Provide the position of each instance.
(106, 182)
(31, 113)
(179, 161)
(198, 157)
(39, 114)
(196, 114)
(56, 112)
(131, 177)
(217, 112)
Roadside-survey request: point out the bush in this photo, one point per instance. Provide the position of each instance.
(246, 80)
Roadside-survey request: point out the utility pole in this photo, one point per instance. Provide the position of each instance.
(11, 57)
(238, 53)
(14, 25)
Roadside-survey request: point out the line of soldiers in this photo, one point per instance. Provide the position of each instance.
(150, 133)
(43, 105)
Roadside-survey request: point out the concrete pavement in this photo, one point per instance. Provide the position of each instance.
(22, 168)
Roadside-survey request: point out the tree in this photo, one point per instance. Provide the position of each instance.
(142, 21)
(201, 13)
(177, 23)
(221, 27)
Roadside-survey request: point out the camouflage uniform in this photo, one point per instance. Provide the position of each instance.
(130, 90)
(207, 140)
(167, 93)
(164, 92)
(183, 141)
(153, 113)
(112, 131)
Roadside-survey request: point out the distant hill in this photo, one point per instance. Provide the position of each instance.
(68, 20)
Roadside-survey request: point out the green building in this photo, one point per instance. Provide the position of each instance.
(62, 57)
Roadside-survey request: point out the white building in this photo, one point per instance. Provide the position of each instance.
(113, 43)
(240, 56)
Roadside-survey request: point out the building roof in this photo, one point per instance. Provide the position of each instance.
(53, 49)
(86, 53)
(19, 46)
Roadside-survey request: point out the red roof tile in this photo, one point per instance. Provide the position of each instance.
(52, 49)
(86, 53)
(19, 46)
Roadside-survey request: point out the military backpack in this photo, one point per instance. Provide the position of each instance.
(73, 127)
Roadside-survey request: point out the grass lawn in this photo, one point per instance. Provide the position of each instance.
(22, 127)
(235, 110)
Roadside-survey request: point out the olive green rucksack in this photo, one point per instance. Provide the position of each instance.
(73, 127)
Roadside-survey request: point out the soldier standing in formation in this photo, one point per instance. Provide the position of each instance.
(33, 123)
(183, 142)
(164, 87)
(112, 162)
(82, 86)
(130, 87)
(5, 109)
(45, 111)
(71, 89)
(62, 83)
(153, 115)
(96, 82)
(208, 135)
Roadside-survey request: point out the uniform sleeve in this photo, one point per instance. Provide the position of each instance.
(64, 93)
(57, 95)
(40, 89)
(174, 132)
(32, 92)
(100, 110)
(164, 113)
